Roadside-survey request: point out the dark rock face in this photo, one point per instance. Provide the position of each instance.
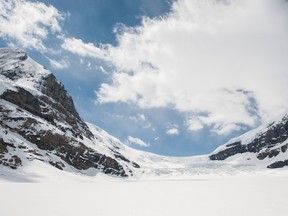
(41, 106)
(24, 100)
(232, 149)
(118, 155)
(58, 164)
(11, 161)
(263, 145)
(270, 153)
(57, 91)
(82, 158)
(278, 164)
(78, 155)
(69, 149)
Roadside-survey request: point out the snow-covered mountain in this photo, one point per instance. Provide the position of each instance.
(265, 146)
(41, 131)
(38, 121)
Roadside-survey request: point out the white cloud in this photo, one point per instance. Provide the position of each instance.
(62, 64)
(194, 123)
(224, 62)
(27, 23)
(77, 46)
(172, 131)
(136, 141)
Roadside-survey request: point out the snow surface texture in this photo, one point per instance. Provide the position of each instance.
(263, 194)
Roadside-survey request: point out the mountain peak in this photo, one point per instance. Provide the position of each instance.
(36, 107)
(24, 72)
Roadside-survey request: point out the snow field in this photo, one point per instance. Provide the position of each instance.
(259, 194)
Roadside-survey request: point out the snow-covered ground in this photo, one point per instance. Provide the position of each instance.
(242, 194)
(59, 193)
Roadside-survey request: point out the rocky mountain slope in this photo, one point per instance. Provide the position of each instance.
(38, 121)
(264, 145)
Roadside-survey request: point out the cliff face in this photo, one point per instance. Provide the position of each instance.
(56, 91)
(269, 142)
(39, 119)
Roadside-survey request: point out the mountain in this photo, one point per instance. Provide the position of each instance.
(38, 121)
(41, 131)
(266, 145)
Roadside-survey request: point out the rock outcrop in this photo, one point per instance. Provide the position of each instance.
(266, 143)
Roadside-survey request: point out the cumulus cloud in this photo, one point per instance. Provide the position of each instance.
(172, 131)
(136, 141)
(221, 62)
(194, 123)
(28, 24)
(78, 46)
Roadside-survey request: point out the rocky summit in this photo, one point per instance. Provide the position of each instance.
(38, 121)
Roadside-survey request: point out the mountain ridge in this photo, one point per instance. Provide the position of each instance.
(39, 122)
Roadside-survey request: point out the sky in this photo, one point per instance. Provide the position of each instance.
(173, 77)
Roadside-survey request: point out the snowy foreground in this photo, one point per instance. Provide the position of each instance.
(64, 194)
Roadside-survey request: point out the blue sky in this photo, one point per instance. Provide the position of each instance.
(170, 77)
